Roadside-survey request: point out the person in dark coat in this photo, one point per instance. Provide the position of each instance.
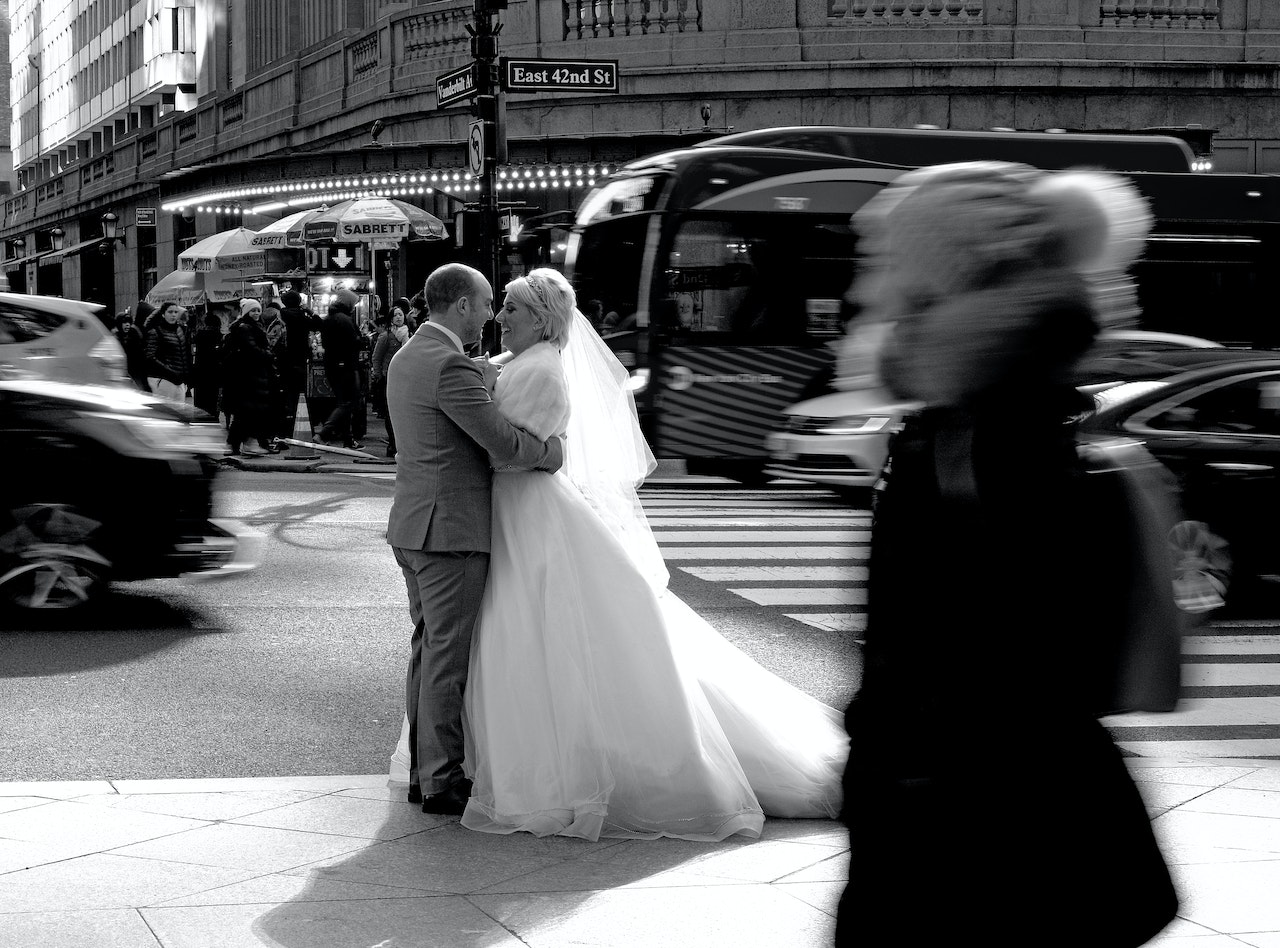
(342, 344)
(249, 383)
(980, 783)
(295, 360)
(129, 334)
(206, 358)
(167, 352)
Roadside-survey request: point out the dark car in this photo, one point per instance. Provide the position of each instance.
(1217, 428)
(1124, 354)
(101, 484)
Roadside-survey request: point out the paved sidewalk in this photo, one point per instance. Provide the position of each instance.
(341, 862)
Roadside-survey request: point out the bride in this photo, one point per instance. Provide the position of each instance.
(598, 703)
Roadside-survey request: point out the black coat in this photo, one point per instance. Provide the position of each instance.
(341, 340)
(980, 784)
(167, 351)
(298, 326)
(248, 370)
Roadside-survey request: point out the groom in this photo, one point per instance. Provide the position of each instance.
(448, 432)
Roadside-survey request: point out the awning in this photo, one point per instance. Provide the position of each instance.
(56, 256)
(20, 261)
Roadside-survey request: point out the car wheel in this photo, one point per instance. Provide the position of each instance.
(1201, 567)
(49, 558)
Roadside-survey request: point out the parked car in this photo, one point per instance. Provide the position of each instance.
(842, 439)
(64, 340)
(1217, 429)
(102, 484)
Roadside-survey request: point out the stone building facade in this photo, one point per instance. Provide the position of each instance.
(279, 108)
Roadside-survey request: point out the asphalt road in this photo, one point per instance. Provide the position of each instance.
(295, 668)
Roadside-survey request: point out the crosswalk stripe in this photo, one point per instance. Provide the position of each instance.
(1205, 712)
(832, 621)
(1183, 750)
(754, 522)
(751, 574)
(1228, 645)
(676, 554)
(755, 536)
(829, 596)
(1233, 673)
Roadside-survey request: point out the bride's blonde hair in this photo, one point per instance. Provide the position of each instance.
(550, 297)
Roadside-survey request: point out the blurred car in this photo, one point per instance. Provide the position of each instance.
(105, 483)
(1217, 429)
(64, 340)
(1123, 354)
(841, 439)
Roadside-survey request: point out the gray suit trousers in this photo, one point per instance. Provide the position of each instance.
(445, 590)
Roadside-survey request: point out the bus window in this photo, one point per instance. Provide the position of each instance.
(757, 279)
(607, 261)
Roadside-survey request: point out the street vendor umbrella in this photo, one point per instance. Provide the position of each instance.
(374, 220)
(193, 287)
(286, 232)
(229, 250)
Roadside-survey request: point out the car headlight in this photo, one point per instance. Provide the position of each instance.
(638, 381)
(856, 425)
(164, 434)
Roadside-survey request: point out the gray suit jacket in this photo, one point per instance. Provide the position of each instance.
(447, 427)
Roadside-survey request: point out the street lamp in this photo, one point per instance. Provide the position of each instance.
(110, 232)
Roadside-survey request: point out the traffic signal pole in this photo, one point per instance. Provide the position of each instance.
(484, 49)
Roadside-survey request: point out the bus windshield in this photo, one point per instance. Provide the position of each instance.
(606, 260)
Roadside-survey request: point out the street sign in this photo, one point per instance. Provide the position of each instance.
(475, 149)
(455, 85)
(559, 75)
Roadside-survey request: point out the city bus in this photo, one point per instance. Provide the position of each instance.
(723, 269)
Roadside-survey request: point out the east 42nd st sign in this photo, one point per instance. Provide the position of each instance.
(552, 75)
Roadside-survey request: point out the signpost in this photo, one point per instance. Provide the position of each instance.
(559, 75)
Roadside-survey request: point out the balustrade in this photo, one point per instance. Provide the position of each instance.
(597, 18)
(429, 35)
(908, 12)
(364, 56)
(1175, 14)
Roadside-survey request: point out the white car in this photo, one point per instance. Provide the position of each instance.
(59, 340)
(841, 440)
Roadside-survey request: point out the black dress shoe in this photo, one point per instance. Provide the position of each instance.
(415, 794)
(449, 802)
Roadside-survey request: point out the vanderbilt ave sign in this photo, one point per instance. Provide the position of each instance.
(552, 75)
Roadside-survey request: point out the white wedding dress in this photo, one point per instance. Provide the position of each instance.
(598, 703)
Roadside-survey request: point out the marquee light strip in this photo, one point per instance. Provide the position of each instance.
(509, 178)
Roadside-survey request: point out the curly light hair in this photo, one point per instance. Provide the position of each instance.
(550, 298)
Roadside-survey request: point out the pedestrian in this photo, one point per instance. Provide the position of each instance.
(167, 350)
(449, 433)
(342, 344)
(395, 334)
(207, 365)
(299, 324)
(417, 314)
(249, 383)
(278, 342)
(980, 783)
(405, 307)
(130, 337)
